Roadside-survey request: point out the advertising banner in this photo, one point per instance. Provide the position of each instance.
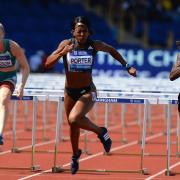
(149, 63)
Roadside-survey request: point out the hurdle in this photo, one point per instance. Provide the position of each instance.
(55, 168)
(44, 114)
(139, 94)
(168, 172)
(142, 170)
(126, 94)
(15, 99)
(33, 167)
(119, 93)
(142, 143)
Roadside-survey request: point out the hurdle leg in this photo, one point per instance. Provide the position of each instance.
(48, 110)
(149, 120)
(165, 118)
(25, 115)
(178, 134)
(61, 122)
(55, 168)
(168, 172)
(33, 166)
(11, 110)
(86, 142)
(124, 140)
(106, 114)
(14, 148)
(140, 122)
(143, 170)
(44, 121)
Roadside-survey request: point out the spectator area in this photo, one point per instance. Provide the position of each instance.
(40, 25)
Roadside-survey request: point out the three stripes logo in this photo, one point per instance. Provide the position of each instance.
(106, 136)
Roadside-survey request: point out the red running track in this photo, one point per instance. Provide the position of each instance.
(124, 157)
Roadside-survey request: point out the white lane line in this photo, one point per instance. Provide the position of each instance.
(29, 146)
(95, 155)
(163, 171)
(44, 143)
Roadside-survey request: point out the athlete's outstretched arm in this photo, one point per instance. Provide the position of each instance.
(63, 48)
(101, 46)
(18, 52)
(175, 72)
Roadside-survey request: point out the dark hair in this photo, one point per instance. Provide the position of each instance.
(81, 19)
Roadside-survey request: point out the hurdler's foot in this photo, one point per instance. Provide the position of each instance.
(105, 139)
(1, 140)
(75, 162)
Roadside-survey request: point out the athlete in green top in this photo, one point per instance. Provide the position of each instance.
(10, 52)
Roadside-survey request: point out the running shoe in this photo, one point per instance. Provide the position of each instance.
(75, 162)
(1, 140)
(105, 139)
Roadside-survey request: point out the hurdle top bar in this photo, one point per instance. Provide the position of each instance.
(125, 100)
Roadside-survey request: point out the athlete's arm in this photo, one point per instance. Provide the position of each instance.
(101, 46)
(63, 48)
(175, 72)
(18, 53)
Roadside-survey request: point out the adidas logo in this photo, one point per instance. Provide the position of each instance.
(106, 136)
(83, 91)
(90, 47)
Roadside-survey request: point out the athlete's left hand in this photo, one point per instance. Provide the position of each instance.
(132, 71)
(19, 91)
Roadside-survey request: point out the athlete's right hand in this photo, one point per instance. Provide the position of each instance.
(67, 48)
(132, 71)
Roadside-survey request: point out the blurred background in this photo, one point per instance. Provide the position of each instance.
(143, 31)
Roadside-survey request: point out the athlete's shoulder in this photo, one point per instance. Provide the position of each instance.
(65, 42)
(7, 41)
(98, 44)
(10, 44)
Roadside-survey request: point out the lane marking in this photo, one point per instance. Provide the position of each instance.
(163, 171)
(95, 155)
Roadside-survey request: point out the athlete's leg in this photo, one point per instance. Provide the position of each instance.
(77, 116)
(78, 112)
(5, 95)
(74, 129)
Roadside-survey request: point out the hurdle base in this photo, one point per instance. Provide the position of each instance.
(86, 152)
(106, 154)
(15, 150)
(169, 173)
(144, 171)
(46, 139)
(178, 155)
(35, 168)
(28, 129)
(57, 169)
(64, 139)
(124, 140)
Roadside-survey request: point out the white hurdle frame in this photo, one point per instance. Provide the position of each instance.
(114, 100)
(58, 169)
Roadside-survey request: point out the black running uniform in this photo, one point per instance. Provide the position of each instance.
(79, 60)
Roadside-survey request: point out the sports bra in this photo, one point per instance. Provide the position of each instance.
(6, 57)
(80, 59)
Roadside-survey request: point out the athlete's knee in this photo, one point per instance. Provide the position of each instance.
(73, 119)
(4, 100)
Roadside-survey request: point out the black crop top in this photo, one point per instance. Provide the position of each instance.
(80, 59)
